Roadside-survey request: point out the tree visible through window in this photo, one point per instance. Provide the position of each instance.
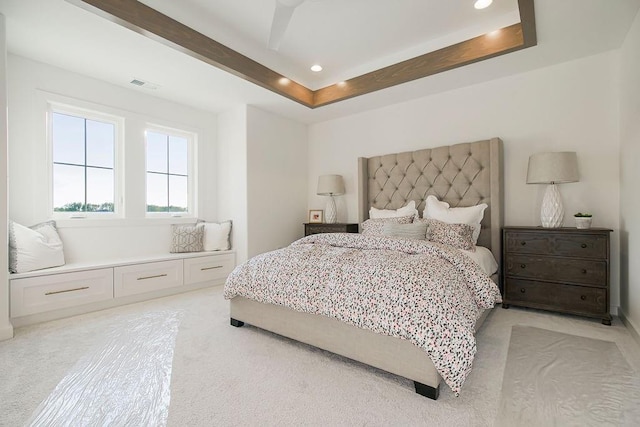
(83, 164)
(167, 172)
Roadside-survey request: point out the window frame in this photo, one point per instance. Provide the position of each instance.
(118, 163)
(192, 170)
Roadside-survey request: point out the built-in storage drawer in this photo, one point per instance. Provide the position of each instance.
(208, 268)
(147, 277)
(39, 294)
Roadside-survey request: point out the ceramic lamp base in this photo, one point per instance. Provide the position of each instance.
(552, 213)
(331, 215)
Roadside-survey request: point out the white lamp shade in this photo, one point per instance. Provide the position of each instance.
(330, 185)
(555, 167)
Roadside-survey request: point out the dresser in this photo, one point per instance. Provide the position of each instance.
(312, 228)
(558, 269)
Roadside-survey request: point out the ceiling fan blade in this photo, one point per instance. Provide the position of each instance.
(281, 18)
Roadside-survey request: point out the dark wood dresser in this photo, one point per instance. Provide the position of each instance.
(558, 269)
(329, 228)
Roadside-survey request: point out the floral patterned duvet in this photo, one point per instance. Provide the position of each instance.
(425, 292)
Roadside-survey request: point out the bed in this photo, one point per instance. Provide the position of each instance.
(462, 175)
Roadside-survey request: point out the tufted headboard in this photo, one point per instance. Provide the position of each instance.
(461, 175)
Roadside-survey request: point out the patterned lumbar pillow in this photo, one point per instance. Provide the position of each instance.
(187, 238)
(374, 227)
(406, 231)
(34, 248)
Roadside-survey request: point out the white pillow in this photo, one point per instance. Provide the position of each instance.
(472, 215)
(216, 236)
(34, 248)
(409, 209)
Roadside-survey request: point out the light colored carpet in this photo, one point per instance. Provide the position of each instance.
(228, 376)
(553, 378)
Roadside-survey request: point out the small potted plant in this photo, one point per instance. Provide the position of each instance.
(583, 220)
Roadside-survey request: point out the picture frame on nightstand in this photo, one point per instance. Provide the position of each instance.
(316, 216)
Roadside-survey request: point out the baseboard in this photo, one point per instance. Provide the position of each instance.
(6, 333)
(630, 326)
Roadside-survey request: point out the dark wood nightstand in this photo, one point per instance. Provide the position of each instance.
(329, 228)
(558, 269)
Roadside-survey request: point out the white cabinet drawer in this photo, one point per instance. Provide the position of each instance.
(208, 268)
(56, 291)
(148, 277)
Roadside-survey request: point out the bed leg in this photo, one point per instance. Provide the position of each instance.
(236, 323)
(427, 391)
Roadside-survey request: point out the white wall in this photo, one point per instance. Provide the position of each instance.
(6, 330)
(30, 84)
(630, 176)
(277, 175)
(568, 107)
(232, 176)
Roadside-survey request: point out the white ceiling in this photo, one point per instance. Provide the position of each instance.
(348, 37)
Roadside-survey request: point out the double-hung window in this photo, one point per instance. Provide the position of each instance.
(84, 167)
(170, 171)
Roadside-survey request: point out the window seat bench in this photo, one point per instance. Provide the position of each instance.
(77, 288)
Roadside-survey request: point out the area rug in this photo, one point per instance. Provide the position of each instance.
(556, 379)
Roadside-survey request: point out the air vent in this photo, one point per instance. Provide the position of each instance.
(144, 84)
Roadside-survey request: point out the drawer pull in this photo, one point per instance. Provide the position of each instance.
(523, 243)
(584, 271)
(67, 290)
(210, 268)
(523, 265)
(152, 277)
(583, 297)
(583, 246)
(523, 290)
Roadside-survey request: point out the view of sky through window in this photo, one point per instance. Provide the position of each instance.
(83, 164)
(167, 172)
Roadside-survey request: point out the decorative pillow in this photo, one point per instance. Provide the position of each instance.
(416, 230)
(187, 238)
(409, 209)
(472, 215)
(374, 227)
(34, 248)
(459, 236)
(216, 236)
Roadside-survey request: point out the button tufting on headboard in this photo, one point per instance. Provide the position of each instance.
(461, 175)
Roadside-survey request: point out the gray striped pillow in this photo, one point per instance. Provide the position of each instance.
(407, 231)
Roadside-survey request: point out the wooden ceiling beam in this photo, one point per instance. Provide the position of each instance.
(159, 27)
(147, 21)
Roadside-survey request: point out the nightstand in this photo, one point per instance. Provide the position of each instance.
(329, 228)
(557, 269)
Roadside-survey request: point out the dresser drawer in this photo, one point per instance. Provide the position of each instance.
(579, 271)
(208, 268)
(56, 291)
(549, 243)
(569, 298)
(147, 277)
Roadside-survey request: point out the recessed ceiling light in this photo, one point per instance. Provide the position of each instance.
(316, 68)
(481, 4)
(284, 81)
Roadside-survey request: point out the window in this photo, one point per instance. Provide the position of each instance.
(83, 148)
(169, 168)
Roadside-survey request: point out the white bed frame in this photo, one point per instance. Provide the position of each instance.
(463, 175)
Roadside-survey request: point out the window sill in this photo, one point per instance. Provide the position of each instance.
(121, 222)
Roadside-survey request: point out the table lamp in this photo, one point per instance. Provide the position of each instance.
(330, 185)
(552, 168)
